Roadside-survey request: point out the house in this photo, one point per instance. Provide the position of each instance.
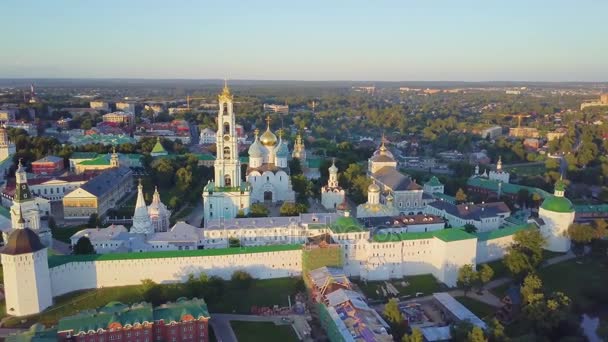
(48, 165)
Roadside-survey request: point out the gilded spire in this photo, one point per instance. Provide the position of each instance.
(225, 96)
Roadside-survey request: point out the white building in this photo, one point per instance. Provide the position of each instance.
(332, 194)
(141, 220)
(484, 216)
(556, 214)
(433, 186)
(100, 105)
(491, 132)
(226, 196)
(268, 172)
(207, 136)
(498, 174)
(7, 147)
(276, 108)
(159, 214)
(126, 107)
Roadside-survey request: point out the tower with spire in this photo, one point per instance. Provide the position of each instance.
(114, 160)
(268, 171)
(332, 194)
(556, 214)
(24, 211)
(159, 214)
(141, 219)
(227, 195)
(499, 174)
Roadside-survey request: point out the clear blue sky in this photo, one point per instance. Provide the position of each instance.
(526, 40)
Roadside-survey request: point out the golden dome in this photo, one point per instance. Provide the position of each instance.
(268, 138)
(373, 187)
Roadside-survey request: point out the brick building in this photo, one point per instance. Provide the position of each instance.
(48, 165)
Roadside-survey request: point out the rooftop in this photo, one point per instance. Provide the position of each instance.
(49, 159)
(447, 235)
(102, 183)
(498, 233)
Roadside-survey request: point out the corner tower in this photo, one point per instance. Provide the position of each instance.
(227, 194)
(557, 214)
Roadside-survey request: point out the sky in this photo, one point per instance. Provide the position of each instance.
(373, 40)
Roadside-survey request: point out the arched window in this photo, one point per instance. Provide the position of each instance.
(227, 181)
(226, 128)
(226, 152)
(225, 109)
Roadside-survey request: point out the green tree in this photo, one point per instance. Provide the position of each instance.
(581, 234)
(486, 273)
(476, 335)
(234, 242)
(461, 197)
(496, 331)
(292, 209)
(466, 277)
(545, 312)
(415, 336)
(469, 228)
(258, 210)
(525, 253)
(295, 167)
(184, 178)
(94, 221)
(392, 312)
(241, 279)
(460, 330)
(84, 246)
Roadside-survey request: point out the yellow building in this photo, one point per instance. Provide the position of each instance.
(98, 195)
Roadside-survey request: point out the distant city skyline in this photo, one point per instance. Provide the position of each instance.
(440, 40)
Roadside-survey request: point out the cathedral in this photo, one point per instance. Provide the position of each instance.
(268, 172)
(151, 219)
(226, 196)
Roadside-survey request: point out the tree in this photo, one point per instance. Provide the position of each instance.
(469, 228)
(258, 210)
(461, 197)
(486, 273)
(496, 331)
(292, 209)
(581, 234)
(466, 277)
(525, 253)
(184, 178)
(545, 312)
(242, 279)
(295, 167)
(460, 330)
(392, 312)
(152, 292)
(476, 335)
(94, 221)
(84, 246)
(415, 336)
(234, 242)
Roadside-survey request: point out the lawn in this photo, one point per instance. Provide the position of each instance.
(480, 309)
(426, 283)
(266, 292)
(573, 277)
(263, 331)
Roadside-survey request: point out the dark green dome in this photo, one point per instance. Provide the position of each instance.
(557, 204)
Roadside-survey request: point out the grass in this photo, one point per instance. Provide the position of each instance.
(480, 309)
(573, 277)
(425, 283)
(266, 292)
(263, 331)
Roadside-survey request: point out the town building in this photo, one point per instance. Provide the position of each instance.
(100, 105)
(491, 132)
(524, 132)
(49, 165)
(332, 194)
(433, 186)
(174, 130)
(603, 101)
(268, 172)
(276, 108)
(126, 106)
(99, 194)
(485, 216)
(49, 188)
(207, 136)
(120, 118)
(226, 195)
(8, 114)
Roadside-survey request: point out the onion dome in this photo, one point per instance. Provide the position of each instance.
(333, 168)
(373, 187)
(557, 202)
(390, 197)
(22, 241)
(255, 150)
(268, 138)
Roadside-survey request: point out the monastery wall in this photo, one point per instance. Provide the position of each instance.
(107, 273)
(490, 250)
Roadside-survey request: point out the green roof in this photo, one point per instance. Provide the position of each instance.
(433, 182)
(84, 155)
(508, 188)
(158, 147)
(346, 224)
(173, 312)
(447, 235)
(5, 212)
(100, 160)
(204, 156)
(113, 312)
(558, 204)
(445, 197)
(58, 260)
(244, 160)
(587, 208)
(498, 233)
(135, 156)
(314, 163)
